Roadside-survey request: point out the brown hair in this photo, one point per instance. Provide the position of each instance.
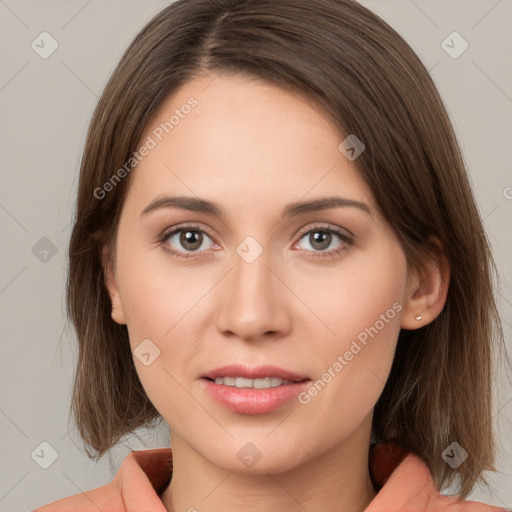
(346, 59)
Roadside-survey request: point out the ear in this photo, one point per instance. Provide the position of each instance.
(427, 289)
(117, 311)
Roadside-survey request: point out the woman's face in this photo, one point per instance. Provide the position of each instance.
(264, 283)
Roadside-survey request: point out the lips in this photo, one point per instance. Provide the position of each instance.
(258, 372)
(258, 399)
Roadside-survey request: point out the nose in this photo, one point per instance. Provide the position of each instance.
(252, 301)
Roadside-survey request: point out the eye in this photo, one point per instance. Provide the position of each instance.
(183, 239)
(321, 238)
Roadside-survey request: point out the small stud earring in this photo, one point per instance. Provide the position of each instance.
(114, 307)
(418, 318)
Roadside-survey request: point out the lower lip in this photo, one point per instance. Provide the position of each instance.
(254, 401)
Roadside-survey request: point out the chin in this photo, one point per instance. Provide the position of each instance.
(255, 458)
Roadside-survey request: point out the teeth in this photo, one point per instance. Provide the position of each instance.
(242, 382)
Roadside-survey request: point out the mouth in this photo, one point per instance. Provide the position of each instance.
(256, 390)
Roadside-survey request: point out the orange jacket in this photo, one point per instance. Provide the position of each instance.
(403, 481)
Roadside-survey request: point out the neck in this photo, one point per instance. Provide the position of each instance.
(337, 479)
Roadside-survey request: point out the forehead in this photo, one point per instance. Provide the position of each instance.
(222, 135)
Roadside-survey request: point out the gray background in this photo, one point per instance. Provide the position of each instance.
(45, 106)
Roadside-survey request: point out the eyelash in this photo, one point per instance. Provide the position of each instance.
(316, 228)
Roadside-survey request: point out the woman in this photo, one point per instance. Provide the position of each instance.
(317, 345)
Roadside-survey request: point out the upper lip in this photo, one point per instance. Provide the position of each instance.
(257, 372)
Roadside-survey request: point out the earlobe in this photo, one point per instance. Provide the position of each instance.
(427, 291)
(110, 280)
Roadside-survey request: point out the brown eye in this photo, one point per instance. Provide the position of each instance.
(191, 240)
(322, 240)
(184, 239)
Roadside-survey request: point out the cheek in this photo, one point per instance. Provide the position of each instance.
(360, 309)
(363, 292)
(158, 325)
(162, 305)
(156, 294)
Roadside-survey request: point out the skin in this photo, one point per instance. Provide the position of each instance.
(253, 148)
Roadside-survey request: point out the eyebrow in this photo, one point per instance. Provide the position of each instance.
(197, 204)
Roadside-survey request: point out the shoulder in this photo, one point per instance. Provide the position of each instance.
(453, 504)
(141, 476)
(106, 497)
(405, 483)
